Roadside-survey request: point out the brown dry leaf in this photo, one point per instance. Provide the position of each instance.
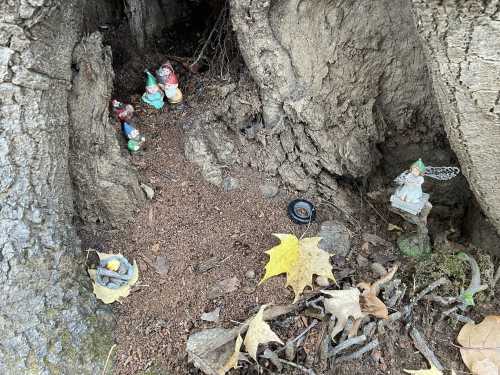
(370, 303)
(155, 249)
(259, 332)
(342, 305)
(481, 346)
(365, 246)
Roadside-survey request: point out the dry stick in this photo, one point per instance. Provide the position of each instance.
(297, 366)
(209, 36)
(347, 344)
(356, 355)
(107, 359)
(311, 326)
(441, 281)
(423, 348)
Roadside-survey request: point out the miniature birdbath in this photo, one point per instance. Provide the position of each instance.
(412, 204)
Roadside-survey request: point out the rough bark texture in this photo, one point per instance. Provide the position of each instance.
(48, 321)
(336, 88)
(462, 41)
(106, 187)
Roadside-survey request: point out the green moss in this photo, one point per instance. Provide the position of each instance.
(411, 247)
(442, 264)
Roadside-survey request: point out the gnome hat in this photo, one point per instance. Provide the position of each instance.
(150, 79)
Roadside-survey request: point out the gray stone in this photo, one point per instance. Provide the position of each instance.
(336, 238)
(212, 316)
(230, 183)
(161, 265)
(269, 190)
(250, 274)
(223, 287)
(148, 190)
(378, 269)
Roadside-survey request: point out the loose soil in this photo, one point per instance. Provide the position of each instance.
(190, 221)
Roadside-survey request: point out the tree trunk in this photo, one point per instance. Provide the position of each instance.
(462, 41)
(106, 187)
(49, 322)
(339, 82)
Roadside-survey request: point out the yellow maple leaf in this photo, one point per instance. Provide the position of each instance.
(108, 295)
(259, 332)
(432, 371)
(300, 260)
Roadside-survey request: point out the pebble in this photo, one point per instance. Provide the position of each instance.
(322, 281)
(378, 269)
(335, 237)
(230, 183)
(161, 265)
(269, 190)
(148, 190)
(250, 274)
(212, 316)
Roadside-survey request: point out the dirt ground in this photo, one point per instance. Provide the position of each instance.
(190, 223)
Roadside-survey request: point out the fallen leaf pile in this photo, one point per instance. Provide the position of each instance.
(108, 295)
(216, 351)
(300, 260)
(480, 343)
(347, 303)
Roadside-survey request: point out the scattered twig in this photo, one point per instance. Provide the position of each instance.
(408, 308)
(461, 318)
(302, 334)
(356, 355)
(298, 367)
(347, 344)
(423, 348)
(391, 319)
(107, 359)
(205, 45)
(445, 301)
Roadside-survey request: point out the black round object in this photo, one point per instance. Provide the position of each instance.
(301, 211)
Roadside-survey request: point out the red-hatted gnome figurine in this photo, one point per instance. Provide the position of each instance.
(123, 112)
(167, 80)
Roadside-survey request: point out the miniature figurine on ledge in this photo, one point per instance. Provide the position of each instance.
(411, 203)
(409, 196)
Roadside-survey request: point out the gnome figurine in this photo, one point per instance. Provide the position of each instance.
(169, 83)
(153, 95)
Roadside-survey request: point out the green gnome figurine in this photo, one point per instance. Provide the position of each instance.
(153, 95)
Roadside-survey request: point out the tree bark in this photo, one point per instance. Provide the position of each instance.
(49, 321)
(462, 42)
(339, 82)
(106, 187)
